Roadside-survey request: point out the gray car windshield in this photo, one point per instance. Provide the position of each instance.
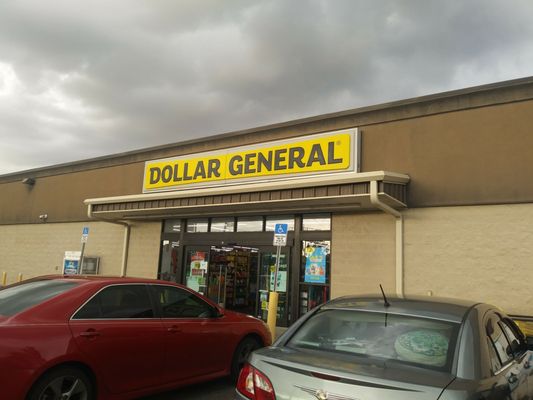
(17, 298)
(417, 341)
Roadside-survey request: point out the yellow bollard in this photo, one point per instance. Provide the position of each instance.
(20, 278)
(4, 278)
(272, 313)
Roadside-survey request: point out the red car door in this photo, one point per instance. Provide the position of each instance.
(120, 337)
(198, 343)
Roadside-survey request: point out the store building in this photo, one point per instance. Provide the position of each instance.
(430, 196)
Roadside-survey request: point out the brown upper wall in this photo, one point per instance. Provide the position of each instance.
(61, 196)
(463, 147)
(477, 156)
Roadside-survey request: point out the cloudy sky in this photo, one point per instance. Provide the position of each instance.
(82, 79)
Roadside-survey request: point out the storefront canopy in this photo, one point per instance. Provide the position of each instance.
(332, 192)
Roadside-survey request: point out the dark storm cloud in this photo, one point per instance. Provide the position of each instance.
(85, 79)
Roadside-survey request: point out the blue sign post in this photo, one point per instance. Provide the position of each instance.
(84, 238)
(280, 239)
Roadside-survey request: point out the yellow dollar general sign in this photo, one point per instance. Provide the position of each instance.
(308, 155)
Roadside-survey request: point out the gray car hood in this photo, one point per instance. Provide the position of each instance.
(310, 374)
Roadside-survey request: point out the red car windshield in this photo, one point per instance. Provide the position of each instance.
(423, 342)
(17, 298)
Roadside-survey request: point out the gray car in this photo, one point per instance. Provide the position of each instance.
(371, 348)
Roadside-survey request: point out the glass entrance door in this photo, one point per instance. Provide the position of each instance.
(267, 267)
(218, 275)
(240, 278)
(232, 277)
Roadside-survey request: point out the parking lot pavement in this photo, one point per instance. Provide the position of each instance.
(220, 389)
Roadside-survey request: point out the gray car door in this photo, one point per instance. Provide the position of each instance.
(509, 364)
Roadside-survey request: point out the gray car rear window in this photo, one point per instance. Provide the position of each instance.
(17, 298)
(417, 341)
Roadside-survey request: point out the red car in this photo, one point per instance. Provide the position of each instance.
(75, 337)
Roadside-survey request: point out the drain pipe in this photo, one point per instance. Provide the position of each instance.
(374, 199)
(126, 243)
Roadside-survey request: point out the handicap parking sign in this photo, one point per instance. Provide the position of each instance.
(280, 234)
(281, 229)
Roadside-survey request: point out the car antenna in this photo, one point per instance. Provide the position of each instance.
(387, 304)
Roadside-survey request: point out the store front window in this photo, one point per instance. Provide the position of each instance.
(315, 274)
(197, 225)
(232, 260)
(196, 266)
(249, 224)
(172, 226)
(222, 225)
(316, 222)
(169, 260)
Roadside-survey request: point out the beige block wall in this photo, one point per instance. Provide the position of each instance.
(38, 249)
(480, 253)
(363, 253)
(483, 253)
(143, 259)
